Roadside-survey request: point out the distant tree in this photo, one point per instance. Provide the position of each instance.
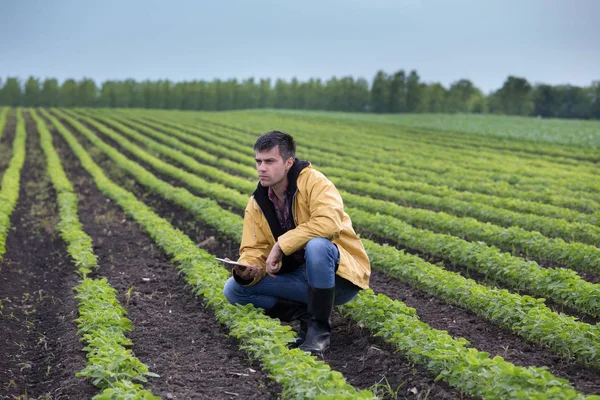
(595, 99)
(251, 91)
(359, 97)
(68, 94)
(397, 93)
(166, 99)
(546, 101)
(514, 97)
(334, 94)
(87, 93)
(31, 98)
(575, 102)
(380, 93)
(281, 95)
(478, 103)
(302, 95)
(315, 95)
(462, 96)
(49, 96)
(264, 97)
(414, 94)
(12, 94)
(434, 98)
(388, 93)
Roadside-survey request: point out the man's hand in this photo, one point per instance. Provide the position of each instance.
(274, 259)
(248, 272)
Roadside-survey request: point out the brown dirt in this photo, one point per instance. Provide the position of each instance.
(363, 359)
(175, 335)
(458, 322)
(39, 344)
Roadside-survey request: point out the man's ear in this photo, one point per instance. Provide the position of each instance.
(289, 163)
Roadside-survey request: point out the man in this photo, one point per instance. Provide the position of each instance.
(301, 252)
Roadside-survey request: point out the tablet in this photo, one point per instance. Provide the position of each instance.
(230, 262)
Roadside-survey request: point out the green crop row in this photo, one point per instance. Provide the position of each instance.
(300, 374)
(174, 153)
(211, 189)
(171, 139)
(203, 207)
(577, 255)
(568, 231)
(9, 187)
(524, 315)
(348, 143)
(376, 126)
(381, 130)
(228, 148)
(442, 174)
(79, 244)
(487, 369)
(563, 286)
(401, 182)
(425, 158)
(102, 321)
(232, 149)
(460, 366)
(574, 255)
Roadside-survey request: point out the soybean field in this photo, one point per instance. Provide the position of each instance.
(483, 234)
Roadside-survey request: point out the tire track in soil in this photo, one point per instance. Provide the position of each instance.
(459, 322)
(39, 344)
(363, 359)
(173, 333)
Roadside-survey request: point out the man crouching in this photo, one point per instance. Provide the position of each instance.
(301, 252)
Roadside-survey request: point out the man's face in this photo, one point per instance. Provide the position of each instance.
(271, 167)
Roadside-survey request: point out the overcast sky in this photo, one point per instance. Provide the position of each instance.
(550, 41)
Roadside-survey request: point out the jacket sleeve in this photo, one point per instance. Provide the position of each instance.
(255, 247)
(326, 215)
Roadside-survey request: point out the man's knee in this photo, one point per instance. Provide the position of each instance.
(319, 247)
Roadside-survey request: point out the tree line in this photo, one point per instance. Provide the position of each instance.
(399, 92)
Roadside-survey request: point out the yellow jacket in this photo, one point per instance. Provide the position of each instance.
(318, 211)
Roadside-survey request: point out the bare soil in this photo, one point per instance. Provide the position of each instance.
(39, 344)
(174, 333)
(365, 360)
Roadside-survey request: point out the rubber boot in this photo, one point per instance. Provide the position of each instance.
(320, 305)
(288, 311)
(301, 336)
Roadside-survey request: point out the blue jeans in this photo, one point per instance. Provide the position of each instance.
(321, 259)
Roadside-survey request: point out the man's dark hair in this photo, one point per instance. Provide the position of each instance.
(286, 144)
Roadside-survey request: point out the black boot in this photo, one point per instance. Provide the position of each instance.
(288, 311)
(301, 336)
(320, 305)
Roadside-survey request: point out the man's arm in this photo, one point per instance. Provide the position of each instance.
(326, 215)
(254, 247)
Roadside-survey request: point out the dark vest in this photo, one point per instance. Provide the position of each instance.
(261, 195)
